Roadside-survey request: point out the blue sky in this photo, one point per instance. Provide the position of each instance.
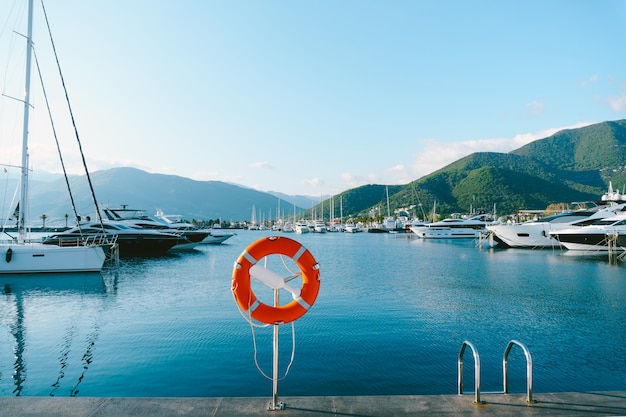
(315, 97)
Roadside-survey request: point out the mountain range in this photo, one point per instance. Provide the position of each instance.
(571, 165)
(140, 190)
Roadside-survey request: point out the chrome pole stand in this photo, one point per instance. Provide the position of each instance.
(274, 404)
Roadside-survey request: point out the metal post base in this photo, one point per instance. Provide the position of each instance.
(277, 406)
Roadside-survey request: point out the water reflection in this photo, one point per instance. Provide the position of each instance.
(24, 293)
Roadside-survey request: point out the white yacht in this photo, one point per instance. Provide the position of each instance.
(319, 226)
(301, 228)
(215, 235)
(454, 228)
(598, 235)
(189, 235)
(537, 233)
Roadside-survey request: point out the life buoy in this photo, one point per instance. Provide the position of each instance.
(241, 285)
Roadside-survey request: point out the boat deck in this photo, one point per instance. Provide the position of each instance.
(611, 403)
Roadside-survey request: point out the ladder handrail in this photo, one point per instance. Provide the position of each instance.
(529, 369)
(476, 370)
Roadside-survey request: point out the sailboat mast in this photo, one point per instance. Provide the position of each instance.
(387, 191)
(21, 223)
(341, 209)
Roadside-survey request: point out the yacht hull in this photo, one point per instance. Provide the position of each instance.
(524, 235)
(426, 232)
(588, 241)
(130, 245)
(36, 258)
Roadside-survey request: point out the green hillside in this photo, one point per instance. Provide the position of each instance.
(353, 201)
(598, 151)
(571, 165)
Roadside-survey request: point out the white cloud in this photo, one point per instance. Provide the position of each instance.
(591, 80)
(351, 181)
(618, 104)
(533, 108)
(235, 179)
(261, 165)
(399, 174)
(312, 182)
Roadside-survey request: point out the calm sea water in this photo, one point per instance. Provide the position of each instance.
(390, 318)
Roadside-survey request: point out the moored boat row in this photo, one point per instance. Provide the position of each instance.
(540, 233)
(594, 225)
(136, 234)
(469, 227)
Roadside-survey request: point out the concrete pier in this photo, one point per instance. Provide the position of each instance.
(609, 403)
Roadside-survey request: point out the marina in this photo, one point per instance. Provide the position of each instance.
(131, 314)
(392, 314)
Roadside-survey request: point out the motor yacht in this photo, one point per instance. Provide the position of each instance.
(538, 233)
(130, 240)
(597, 235)
(454, 227)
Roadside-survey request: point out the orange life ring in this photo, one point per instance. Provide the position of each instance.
(276, 245)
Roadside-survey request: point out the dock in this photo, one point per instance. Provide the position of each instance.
(605, 403)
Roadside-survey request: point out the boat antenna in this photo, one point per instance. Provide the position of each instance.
(67, 99)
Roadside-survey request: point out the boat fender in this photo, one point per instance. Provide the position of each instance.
(246, 268)
(9, 255)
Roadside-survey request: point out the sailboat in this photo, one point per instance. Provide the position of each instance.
(389, 224)
(20, 254)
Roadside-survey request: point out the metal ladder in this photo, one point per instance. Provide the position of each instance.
(505, 370)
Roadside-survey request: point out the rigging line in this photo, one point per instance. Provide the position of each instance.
(67, 99)
(3, 30)
(291, 359)
(419, 203)
(293, 274)
(56, 139)
(4, 199)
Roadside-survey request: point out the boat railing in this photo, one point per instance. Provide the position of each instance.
(505, 371)
(99, 239)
